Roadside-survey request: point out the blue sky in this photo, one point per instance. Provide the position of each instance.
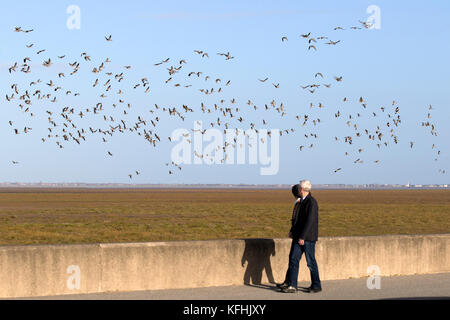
(406, 60)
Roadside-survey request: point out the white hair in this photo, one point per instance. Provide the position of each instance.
(305, 185)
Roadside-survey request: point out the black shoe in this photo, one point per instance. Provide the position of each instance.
(313, 290)
(282, 285)
(289, 289)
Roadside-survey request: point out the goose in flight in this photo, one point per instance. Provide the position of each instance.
(47, 63)
(13, 68)
(333, 43)
(164, 61)
(365, 24)
(227, 55)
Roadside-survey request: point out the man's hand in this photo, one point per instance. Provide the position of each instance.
(301, 242)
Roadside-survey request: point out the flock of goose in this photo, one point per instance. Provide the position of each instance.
(67, 124)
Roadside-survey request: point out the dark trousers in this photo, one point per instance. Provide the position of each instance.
(295, 254)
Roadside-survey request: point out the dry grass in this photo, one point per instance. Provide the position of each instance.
(38, 216)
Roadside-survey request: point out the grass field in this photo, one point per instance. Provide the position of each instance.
(43, 216)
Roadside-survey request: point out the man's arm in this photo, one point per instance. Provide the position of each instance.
(294, 219)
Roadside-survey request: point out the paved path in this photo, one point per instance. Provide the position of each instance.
(434, 286)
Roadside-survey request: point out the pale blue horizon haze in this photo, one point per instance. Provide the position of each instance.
(405, 60)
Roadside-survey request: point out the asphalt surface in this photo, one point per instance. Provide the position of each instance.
(431, 286)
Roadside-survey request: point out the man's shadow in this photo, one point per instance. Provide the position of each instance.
(257, 254)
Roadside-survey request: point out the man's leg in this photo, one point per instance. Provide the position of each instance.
(294, 259)
(286, 279)
(310, 253)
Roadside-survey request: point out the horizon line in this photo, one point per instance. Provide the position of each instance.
(226, 185)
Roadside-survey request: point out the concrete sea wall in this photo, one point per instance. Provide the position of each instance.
(41, 270)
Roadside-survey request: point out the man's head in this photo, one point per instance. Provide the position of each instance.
(305, 188)
(296, 190)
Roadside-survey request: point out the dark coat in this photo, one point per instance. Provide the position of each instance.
(305, 220)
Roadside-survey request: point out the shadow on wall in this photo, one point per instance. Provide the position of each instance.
(257, 254)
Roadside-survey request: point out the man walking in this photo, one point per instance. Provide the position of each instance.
(304, 233)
